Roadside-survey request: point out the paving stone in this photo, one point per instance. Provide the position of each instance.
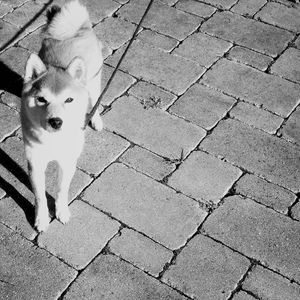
(32, 41)
(202, 48)
(114, 32)
(256, 117)
(5, 9)
(119, 85)
(148, 162)
(28, 272)
(206, 269)
(288, 65)
(100, 150)
(202, 106)
(133, 198)
(153, 129)
(249, 57)
(161, 18)
(291, 129)
(152, 95)
(157, 40)
(258, 152)
(7, 31)
(12, 64)
(221, 3)
(247, 32)
(242, 296)
(266, 193)
(13, 216)
(82, 238)
(100, 9)
(25, 14)
(254, 86)
(204, 177)
(295, 211)
(9, 121)
(163, 69)
(197, 8)
(268, 285)
(110, 278)
(280, 15)
(257, 232)
(140, 251)
(11, 100)
(248, 7)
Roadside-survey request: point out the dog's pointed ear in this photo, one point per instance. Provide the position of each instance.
(77, 69)
(34, 67)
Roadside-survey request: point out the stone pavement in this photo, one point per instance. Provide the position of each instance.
(192, 191)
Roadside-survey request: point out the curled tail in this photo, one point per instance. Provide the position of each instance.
(65, 22)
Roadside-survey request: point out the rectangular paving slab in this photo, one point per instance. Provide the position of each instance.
(150, 207)
(206, 270)
(174, 73)
(258, 152)
(110, 278)
(153, 129)
(259, 233)
(272, 92)
(247, 32)
(28, 272)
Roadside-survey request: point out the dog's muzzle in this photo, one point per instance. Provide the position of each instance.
(55, 123)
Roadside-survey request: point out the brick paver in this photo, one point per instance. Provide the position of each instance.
(191, 191)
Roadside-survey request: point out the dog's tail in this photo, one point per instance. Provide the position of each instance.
(65, 22)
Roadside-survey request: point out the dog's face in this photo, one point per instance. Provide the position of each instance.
(55, 98)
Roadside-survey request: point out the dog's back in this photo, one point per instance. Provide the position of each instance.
(69, 34)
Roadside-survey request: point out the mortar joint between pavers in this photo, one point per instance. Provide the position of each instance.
(241, 281)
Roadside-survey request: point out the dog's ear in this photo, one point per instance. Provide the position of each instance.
(77, 69)
(34, 68)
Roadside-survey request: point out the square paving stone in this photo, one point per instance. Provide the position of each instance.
(272, 92)
(206, 270)
(269, 156)
(100, 150)
(202, 48)
(268, 285)
(28, 272)
(247, 32)
(202, 106)
(110, 278)
(161, 18)
(9, 121)
(257, 232)
(221, 3)
(153, 129)
(204, 177)
(140, 251)
(196, 8)
(7, 30)
(248, 7)
(241, 295)
(146, 205)
(82, 238)
(173, 73)
(281, 15)
(288, 65)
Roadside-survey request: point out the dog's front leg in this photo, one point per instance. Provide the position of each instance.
(66, 171)
(37, 178)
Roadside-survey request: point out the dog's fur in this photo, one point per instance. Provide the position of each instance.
(61, 84)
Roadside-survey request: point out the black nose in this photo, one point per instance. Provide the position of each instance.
(55, 122)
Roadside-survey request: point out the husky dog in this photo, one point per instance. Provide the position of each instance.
(61, 84)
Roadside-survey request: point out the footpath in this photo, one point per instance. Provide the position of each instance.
(192, 190)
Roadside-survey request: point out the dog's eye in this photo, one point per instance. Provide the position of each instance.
(69, 100)
(41, 100)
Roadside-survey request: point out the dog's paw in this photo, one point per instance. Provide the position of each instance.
(63, 214)
(96, 123)
(42, 222)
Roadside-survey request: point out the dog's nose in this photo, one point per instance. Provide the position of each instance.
(55, 122)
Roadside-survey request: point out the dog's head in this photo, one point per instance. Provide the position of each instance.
(55, 98)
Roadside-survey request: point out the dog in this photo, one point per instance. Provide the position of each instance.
(61, 84)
